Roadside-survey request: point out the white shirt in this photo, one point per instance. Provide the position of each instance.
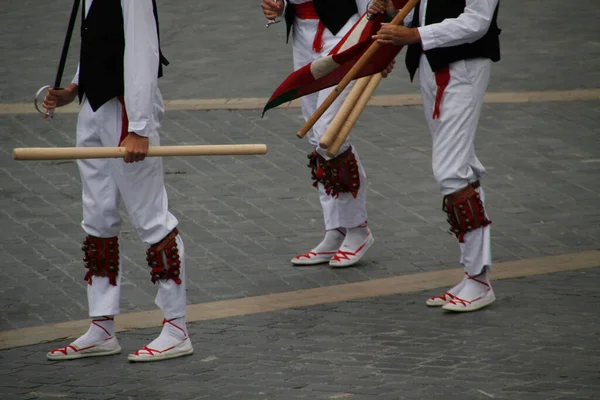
(142, 98)
(468, 27)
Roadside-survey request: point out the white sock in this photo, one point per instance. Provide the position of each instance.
(173, 333)
(475, 286)
(355, 237)
(101, 329)
(457, 288)
(332, 241)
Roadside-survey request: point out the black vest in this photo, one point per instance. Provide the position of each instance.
(437, 11)
(101, 69)
(333, 13)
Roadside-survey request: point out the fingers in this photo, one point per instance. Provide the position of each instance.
(140, 155)
(270, 14)
(49, 103)
(388, 69)
(376, 8)
(383, 36)
(383, 40)
(135, 154)
(136, 148)
(268, 5)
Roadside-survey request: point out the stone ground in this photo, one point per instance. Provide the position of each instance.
(534, 343)
(244, 218)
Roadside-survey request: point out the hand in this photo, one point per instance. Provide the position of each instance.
(382, 6)
(388, 69)
(136, 147)
(59, 97)
(397, 35)
(272, 9)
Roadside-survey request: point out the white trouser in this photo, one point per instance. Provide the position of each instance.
(454, 162)
(140, 185)
(344, 211)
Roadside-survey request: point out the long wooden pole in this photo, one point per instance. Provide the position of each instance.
(359, 107)
(353, 72)
(342, 114)
(75, 153)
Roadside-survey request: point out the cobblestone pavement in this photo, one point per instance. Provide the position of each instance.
(538, 341)
(243, 219)
(222, 49)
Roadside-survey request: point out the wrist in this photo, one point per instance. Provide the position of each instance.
(393, 13)
(416, 36)
(73, 88)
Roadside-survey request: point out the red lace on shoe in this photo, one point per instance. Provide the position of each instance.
(312, 254)
(344, 255)
(458, 301)
(443, 297)
(478, 281)
(65, 349)
(152, 351)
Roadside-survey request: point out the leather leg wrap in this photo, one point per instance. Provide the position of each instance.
(163, 259)
(101, 258)
(465, 211)
(338, 175)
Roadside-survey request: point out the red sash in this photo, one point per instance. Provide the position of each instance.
(307, 11)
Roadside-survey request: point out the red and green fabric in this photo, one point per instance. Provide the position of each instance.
(328, 71)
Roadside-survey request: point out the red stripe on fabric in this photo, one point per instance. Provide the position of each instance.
(124, 120)
(307, 11)
(442, 79)
(318, 42)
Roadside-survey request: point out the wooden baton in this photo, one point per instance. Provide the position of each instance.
(349, 123)
(353, 72)
(342, 114)
(78, 153)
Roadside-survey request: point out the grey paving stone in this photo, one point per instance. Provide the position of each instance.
(538, 341)
(244, 218)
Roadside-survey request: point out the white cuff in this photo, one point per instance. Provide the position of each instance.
(428, 39)
(141, 128)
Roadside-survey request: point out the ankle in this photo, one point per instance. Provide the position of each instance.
(176, 327)
(105, 324)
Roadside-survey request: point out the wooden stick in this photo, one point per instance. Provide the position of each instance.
(77, 153)
(353, 117)
(353, 72)
(343, 112)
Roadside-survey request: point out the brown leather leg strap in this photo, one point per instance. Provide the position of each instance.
(101, 258)
(465, 211)
(163, 259)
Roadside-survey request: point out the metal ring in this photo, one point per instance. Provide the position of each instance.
(49, 113)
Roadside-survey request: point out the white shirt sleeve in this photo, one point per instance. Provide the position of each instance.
(468, 27)
(141, 64)
(362, 6)
(76, 77)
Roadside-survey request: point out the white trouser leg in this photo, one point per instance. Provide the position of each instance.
(476, 252)
(454, 162)
(171, 298)
(100, 201)
(142, 190)
(344, 211)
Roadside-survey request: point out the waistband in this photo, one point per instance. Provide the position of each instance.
(306, 11)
